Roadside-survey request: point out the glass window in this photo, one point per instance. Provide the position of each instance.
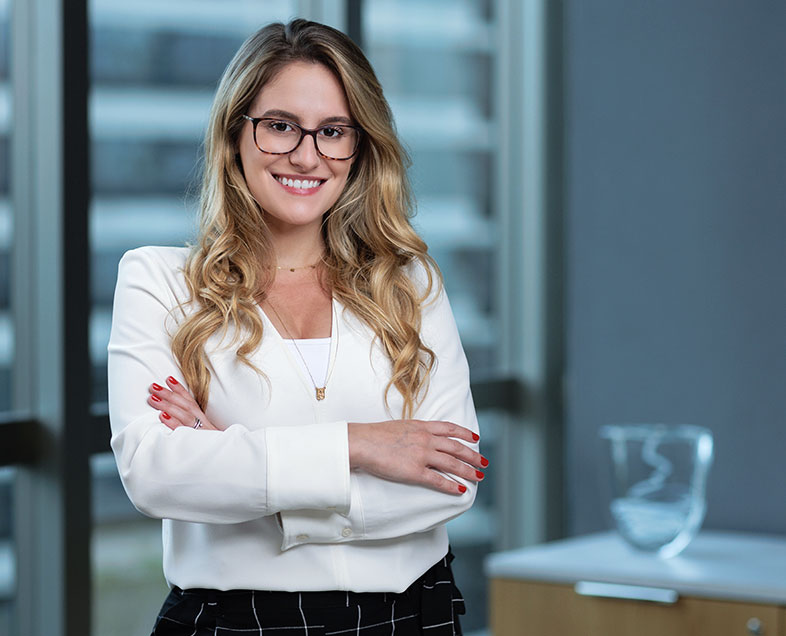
(435, 61)
(128, 584)
(6, 334)
(154, 67)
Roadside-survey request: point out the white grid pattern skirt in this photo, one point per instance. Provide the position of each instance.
(429, 607)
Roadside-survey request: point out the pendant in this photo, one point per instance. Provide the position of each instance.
(320, 393)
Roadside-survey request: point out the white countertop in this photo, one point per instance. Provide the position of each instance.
(722, 565)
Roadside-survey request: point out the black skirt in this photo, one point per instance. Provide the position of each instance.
(430, 606)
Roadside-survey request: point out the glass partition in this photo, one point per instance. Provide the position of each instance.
(435, 61)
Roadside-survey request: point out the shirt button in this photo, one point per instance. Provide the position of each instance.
(302, 537)
(346, 532)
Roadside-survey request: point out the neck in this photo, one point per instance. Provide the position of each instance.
(297, 246)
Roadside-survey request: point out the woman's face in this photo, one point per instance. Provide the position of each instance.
(309, 95)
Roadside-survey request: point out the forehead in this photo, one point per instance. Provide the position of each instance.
(308, 90)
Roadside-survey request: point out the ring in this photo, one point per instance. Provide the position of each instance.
(197, 423)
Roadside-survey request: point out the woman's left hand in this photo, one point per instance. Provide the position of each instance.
(176, 407)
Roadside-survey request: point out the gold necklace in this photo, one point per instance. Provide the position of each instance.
(292, 269)
(319, 390)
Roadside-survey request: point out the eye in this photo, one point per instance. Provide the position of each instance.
(331, 132)
(278, 126)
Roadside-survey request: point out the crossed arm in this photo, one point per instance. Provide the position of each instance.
(405, 451)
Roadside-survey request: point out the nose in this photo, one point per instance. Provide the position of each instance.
(305, 156)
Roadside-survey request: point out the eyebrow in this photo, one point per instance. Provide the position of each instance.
(275, 112)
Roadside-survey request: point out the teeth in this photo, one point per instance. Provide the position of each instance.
(301, 184)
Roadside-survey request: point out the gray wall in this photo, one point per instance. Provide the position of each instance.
(676, 233)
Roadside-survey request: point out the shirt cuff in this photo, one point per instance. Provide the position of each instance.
(315, 526)
(323, 526)
(308, 467)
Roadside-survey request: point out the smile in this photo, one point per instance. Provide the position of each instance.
(299, 184)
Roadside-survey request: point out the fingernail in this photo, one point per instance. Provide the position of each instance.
(483, 461)
(166, 415)
(462, 488)
(479, 474)
(475, 437)
(155, 398)
(156, 387)
(172, 380)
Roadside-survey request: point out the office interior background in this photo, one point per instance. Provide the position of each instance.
(602, 182)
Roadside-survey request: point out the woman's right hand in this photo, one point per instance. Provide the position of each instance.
(176, 407)
(412, 451)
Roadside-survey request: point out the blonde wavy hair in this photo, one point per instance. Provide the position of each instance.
(369, 241)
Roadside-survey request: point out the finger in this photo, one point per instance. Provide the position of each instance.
(156, 402)
(177, 396)
(454, 467)
(434, 480)
(191, 417)
(186, 417)
(181, 396)
(185, 403)
(166, 400)
(449, 429)
(157, 393)
(157, 389)
(167, 420)
(460, 451)
(176, 387)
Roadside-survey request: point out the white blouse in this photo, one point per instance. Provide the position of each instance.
(269, 502)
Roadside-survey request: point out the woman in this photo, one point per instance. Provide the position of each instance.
(314, 431)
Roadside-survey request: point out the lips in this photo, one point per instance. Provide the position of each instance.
(303, 184)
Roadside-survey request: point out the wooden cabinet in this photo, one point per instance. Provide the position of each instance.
(727, 585)
(523, 608)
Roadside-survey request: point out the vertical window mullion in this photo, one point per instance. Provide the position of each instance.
(50, 286)
(531, 286)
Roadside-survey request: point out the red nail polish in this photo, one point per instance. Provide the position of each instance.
(156, 387)
(475, 437)
(479, 474)
(484, 462)
(155, 398)
(462, 488)
(172, 380)
(166, 415)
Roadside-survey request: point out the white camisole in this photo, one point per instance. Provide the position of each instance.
(314, 357)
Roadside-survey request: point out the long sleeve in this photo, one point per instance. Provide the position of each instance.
(252, 468)
(382, 509)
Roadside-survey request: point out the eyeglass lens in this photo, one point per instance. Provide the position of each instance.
(336, 142)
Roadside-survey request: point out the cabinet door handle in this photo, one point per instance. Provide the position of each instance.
(628, 592)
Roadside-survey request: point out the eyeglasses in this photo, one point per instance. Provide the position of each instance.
(280, 137)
